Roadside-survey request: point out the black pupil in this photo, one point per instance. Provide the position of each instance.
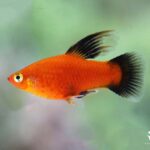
(18, 77)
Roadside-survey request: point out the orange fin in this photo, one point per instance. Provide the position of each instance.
(90, 46)
(70, 101)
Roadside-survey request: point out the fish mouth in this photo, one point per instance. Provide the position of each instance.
(8, 79)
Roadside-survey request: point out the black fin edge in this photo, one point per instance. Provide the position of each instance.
(90, 46)
(132, 73)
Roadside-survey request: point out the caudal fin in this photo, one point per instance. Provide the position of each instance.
(131, 81)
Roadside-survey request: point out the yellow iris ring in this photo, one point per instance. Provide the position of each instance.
(18, 77)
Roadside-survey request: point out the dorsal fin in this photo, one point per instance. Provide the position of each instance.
(90, 46)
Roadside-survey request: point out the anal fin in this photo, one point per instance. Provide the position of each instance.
(83, 93)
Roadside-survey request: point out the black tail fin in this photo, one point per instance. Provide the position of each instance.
(131, 81)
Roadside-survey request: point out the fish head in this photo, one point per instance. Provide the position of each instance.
(20, 80)
(27, 80)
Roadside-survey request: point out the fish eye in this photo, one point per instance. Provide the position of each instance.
(18, 78)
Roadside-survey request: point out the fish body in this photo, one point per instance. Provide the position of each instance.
(74, 73)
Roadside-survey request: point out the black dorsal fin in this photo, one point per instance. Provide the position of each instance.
(90, 46)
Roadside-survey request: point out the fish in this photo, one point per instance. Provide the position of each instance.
(76, 74)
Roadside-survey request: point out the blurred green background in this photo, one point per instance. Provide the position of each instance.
(34, 29)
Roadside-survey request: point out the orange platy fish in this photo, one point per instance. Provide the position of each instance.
(74, 74)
